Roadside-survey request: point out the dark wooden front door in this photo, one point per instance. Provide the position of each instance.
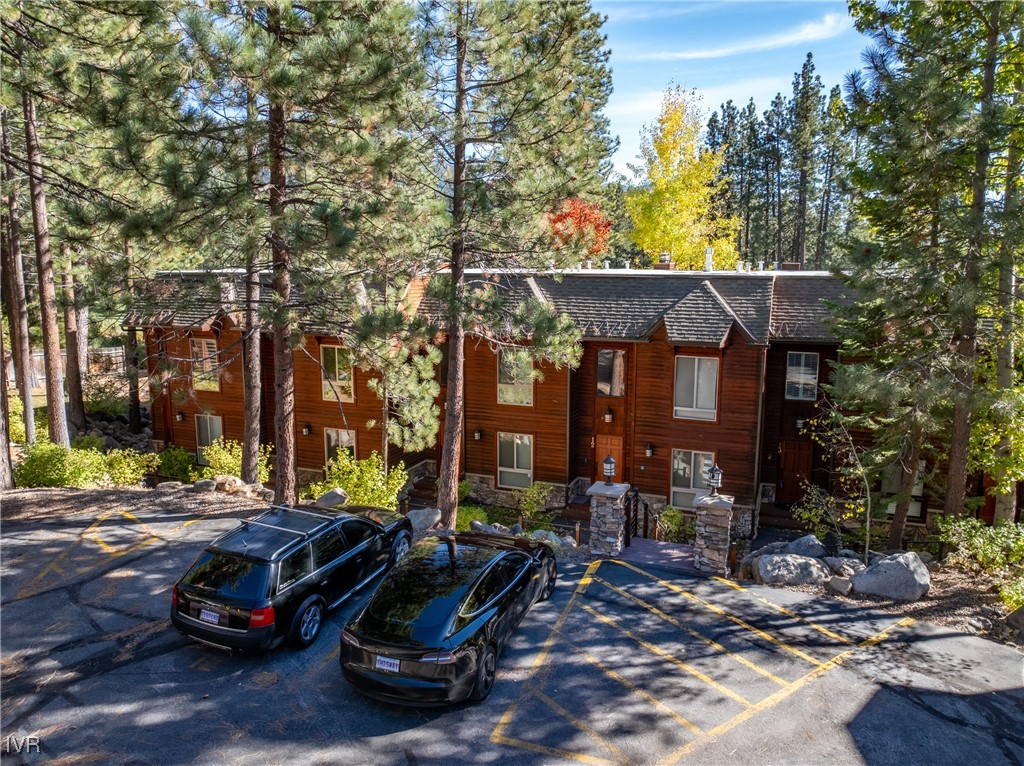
(795, 465)
(605, 446)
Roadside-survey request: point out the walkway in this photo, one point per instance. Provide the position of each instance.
(658, 553)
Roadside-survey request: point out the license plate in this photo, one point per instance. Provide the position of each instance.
(207, 616)
(386, 663)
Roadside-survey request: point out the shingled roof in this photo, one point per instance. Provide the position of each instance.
(802, 307)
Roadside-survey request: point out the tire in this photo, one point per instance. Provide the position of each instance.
(399, 549)
(485, 672)
(551, 576)
(308, 622)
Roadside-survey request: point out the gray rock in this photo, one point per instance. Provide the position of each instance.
(925, 556)
(501, 529)
(839, 585)
(764, 551)
(478, 526)
(205, 485)
(847, 553)
(109, 443)
(844, 567)
(169, 486)
(268, 495)
(227, 483)
(790, 569)
(568, 542)
(333, 498)
(545, 536)
(424, 518)
(517, 530)
(253, 490)
(1015, 619)
(901, 577)
(808, 545)
(980, 624)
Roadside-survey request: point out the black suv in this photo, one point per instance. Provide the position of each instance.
(275, 576)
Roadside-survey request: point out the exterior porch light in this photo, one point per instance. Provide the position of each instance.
(478, 434)
(800, 423)
(649, 449)
(180, 416)
(307, 429)
(609, 469)
(609, 416)
(714, 478)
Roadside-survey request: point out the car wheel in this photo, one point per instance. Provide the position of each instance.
(485, 670)
(399, 549)
(550, 576)
(308, 621)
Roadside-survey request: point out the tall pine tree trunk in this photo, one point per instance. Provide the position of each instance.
(284, 364)
(76, 403)
(131, 353)
(14, 271)
(908, 478)
(55, 413)
(966, 348)
(252, 384)
(448, 472)
(800, 237)
(6, 472)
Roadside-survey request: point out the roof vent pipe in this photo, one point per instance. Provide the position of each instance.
(607, 264)
(760, 265)
(739, 267)
(709, 263)
(590, 264)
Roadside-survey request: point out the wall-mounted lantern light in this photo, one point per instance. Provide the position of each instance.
(649, 450)
(307, 429)
(800, 424)
(609, 469)
(609, 416)
(180, 416)
(715, 478)
(478, 434)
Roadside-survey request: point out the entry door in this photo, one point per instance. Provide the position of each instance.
(603, 447)
(795, 464)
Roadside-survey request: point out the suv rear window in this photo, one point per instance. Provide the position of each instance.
(224, 575)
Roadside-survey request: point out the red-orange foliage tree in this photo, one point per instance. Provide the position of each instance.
(582, 223)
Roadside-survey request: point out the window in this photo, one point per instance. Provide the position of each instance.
(327, 548)
(611, 372)
(515, 378)
(204, 364)
(689, 475)
(336, 440)
(336, 363)
(891, 486)
(515, 460)
(802, 376)
(294, 567)
(208, 429)
(499, 577)
(696, 389)
(357, 532)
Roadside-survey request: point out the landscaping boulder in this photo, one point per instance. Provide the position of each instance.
(847, 553)
(748, 562)
(808, 545)
(479, 526)
(844, 567)
(169, 486)
(925, 557)
(790, 569)
(568, 542)
(517, 530)
(268, 495)
(254, 491)
(1015, 619)
(424, 518)
(901, 577)
(501, 529)
(205, 485)
(227, 483)
(332, 498)
(545, 536)
(839, 585)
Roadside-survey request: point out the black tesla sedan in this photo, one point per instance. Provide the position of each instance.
(432, 632)
(275, 576)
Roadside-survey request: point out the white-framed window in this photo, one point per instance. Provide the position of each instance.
(611, 372)
(336, 371)
(696, 388)
(802, 376)
(515, 378)
(209, 428)
(515, 460)
(891, 486)
(204, 364)
(336, 440)
(689, 475)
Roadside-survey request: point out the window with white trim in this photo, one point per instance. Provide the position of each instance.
(696, 388)
(802, 376)
(689, 475)
(209, 428)
(336, 373)
(515, 378)
(515, 460)
(204, 364)
(891, 486)
(336, 440)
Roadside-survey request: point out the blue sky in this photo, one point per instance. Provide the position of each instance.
(725, 50)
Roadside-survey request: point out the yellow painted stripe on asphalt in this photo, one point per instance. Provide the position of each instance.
(743, 624)
(53, 566)
(666, 655)
(779, 608)
(782, 694)
(710, 642)
(638, 691)
(582, 726)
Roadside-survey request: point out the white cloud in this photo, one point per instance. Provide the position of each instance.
(829, 26)
(632, 11)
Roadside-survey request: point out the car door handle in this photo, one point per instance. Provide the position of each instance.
(323, 582)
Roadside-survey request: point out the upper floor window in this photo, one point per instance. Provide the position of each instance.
(336, 363)
(802, 376)
(515, 378)
(696, 388)
(204, 364)
(611, 372)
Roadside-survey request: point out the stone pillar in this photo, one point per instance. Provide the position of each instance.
(607, 518)
(711, 548)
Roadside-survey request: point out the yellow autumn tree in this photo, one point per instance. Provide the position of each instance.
(673, 207)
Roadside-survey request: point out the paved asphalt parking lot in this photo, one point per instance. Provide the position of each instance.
(623, 666)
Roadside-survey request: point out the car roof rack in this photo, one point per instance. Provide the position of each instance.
(303, 511)
(274, 526)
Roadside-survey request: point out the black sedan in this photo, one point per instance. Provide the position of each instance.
(275, 576)
(433, 630)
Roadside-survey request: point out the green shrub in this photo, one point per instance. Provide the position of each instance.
(465, 488)
(680, 527)
(997, 550)
(488, 514)
(45, 464)
(105, 395)
(176, 463)
(533, 500)
(15, 417)
(88, 442)
(127, 467)
(365, 481)
(225, 457)
(1012, 593)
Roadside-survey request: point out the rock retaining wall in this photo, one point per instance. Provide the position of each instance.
(711, 547)
(607, 518)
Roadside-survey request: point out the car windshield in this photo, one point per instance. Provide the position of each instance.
(231, 576)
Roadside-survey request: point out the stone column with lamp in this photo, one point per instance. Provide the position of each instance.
(714, 515)
(607, 513)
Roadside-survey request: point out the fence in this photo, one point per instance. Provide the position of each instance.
(104, 361)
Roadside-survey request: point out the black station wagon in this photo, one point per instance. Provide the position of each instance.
(275, 576)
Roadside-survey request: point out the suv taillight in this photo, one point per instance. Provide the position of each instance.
(174, 597)
(349, 639)
(439, 658)
(259, 618)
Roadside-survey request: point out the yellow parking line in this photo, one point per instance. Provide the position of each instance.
(53, 566)
(746, 625)
(581, 725)
(710, 642)
(780, 695)
(638, 691)
(787, 612)
(665, 655)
